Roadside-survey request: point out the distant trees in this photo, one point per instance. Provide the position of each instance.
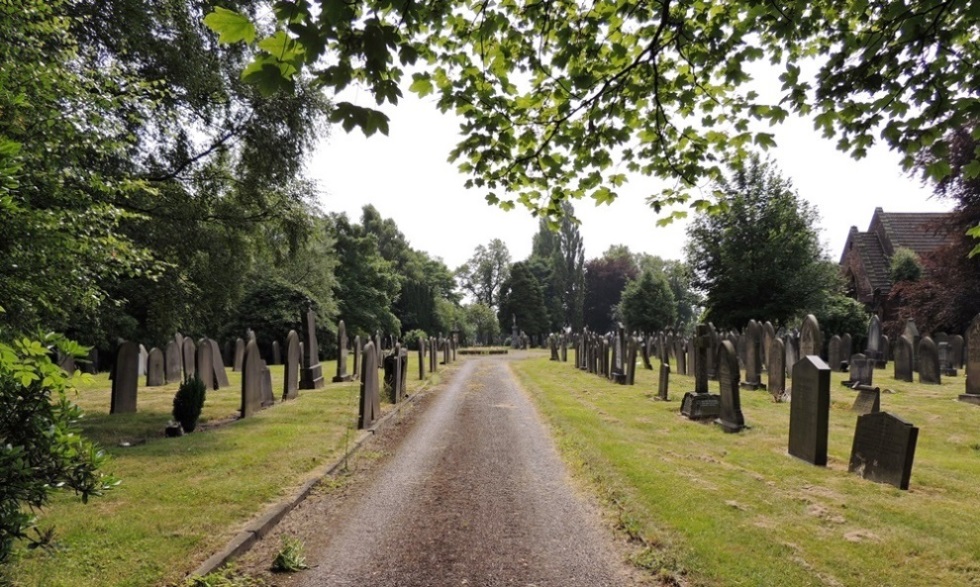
(521, 296)
(647, 304)
(485, 272)
(605, 279)
(760, 256)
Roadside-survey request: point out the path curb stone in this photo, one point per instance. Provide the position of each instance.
(260, 526)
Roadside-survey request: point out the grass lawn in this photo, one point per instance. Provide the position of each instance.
(181, 499)
(736, 509)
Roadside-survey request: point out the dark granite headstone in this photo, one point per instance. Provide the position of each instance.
(972, 367)
(810, 338)
(188, 352)
(290, 374)
(370, 405)
(791, 356)
(928, 356)
(912, 332)
(753, 356)
(125, 379)
(956, 351)
(868, 401)
(701, 406)
(356, 373)
(173, 362)
(341, 375)
(276, 353)
(768, 335)
(311, 374)
(631, 351)
(945, 360)
(903, 359)
(846, 345)
(809, 413)
(883, 449)
(682, 346)
(421, 359)
(266, 386)
(220, 375)
(251, 380)
(730, 418)
(834, 356)
(664, 381)
(155, 370)
(873, 349)
(236, 366)
(776, 368)
(862, 370)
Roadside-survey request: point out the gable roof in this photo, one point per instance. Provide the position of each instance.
(923, 232)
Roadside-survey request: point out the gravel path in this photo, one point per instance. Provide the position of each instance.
(475, 494)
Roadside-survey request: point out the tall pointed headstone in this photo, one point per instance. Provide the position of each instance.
(311, 375)
(341, 375)
(291, 367)
(251, 380)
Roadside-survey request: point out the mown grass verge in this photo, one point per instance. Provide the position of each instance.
(181, 499)
(719, 509)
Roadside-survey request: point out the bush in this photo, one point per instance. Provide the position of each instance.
(412, 338)
(188, 403)
(905, 266)
(41, 449)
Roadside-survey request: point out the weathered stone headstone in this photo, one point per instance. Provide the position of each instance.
(730, 417)
(203, 363)
(125, 379)
(791, 356)
(311, 375)
(862, 369)
(155, 370)
(873, 349)
(753, 356)
(682, 356)
(220, 375)
(141, 363)
(956, 351)
(188, 352)
(291, 367)
(276, 353)
(886, 350)
(834, 356)
(883, 449)
(903, 359)
(776, 385)
(251, 380)
(912, 332)
(370, 406)
(92, 363)
(664, 381)
(809, 413)
(239, 355)
(810, 338)
(394, 367)
(173, 362)
(945, 360)
(868, 401)
(433, 356)
(928, 356)
(972, 366)
(712, 357)
(341, 375)
(356, 374)
(268, 399)
(421, 359)
(631, 350)
(768, 335)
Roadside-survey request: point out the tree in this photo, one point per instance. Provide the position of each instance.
(485, 272)
(521, 297)
(558, 262)
(660, 88)
(480, 324)
(647, 304)
(605, 280)
(679, 277)
(905, 266)
(760, 257)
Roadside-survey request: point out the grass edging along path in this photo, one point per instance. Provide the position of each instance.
(183, 499)
(736, 509)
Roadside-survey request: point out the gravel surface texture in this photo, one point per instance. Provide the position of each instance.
(471, 491)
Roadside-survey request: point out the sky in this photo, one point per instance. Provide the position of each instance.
(406, 176)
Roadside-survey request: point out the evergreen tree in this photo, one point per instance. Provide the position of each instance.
(522, 297)
(647, 304)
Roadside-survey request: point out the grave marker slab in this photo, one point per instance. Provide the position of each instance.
(664, 381)
(125, 379)
(834, 356)
(188, 352)
(753, 358)
(311, 374)
(155, 371)
(341, 375)
(903, 359)
(220, 375)
(928, 357)
(972, 366)
(172, 362)
(810, 338)
(730, 417)
(291, 367)
(251, 380)
(777, 368)
(809, 413)
(883, 449)
(862, 369)
(868, 401)
(370, 405)
(236, 366)
(203, 363)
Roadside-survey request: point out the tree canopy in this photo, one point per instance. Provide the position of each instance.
(552, 94)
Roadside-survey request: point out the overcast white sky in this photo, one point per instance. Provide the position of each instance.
(407, 177)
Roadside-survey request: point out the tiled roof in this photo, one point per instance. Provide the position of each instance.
(876, 264)
(923, 232)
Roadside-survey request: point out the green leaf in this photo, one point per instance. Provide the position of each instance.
(231, 26)
(421, 85)
(972, 170)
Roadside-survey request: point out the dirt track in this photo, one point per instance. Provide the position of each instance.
(473, 493)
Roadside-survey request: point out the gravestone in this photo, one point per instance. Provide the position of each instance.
(682, 357)
(172, 362)
(125, 379)
(886, 350)
(92, 362)
(421, 360)
(972, 366)
(356, 374)
(266, 387)
(645, 354)
(155, 370)
(903, 359)
(433, 357)
(868, 401)
(251, 380)
(945, 360)
(776, 371)
(631, 351)
(369, 409)
(712, 357)
(810, 339)
(730, 417)
(834, 356)
(553, 347)
(753, 352)
(394, 369)
(220, 375)
(873, 349)
(203, 363)
(664, 381)
(809, 413)
(768, 335)
(276, 353)
(236, 366)
(956, 351)
(564, 349)
(791, 357)
(188, 352)
(845, 347)
(928, 356)
(141, 363)
(862, 370)
(912, 332)
(290, 374)
(311, 374)
(341, 375)
(883, 449)
(179, 339)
